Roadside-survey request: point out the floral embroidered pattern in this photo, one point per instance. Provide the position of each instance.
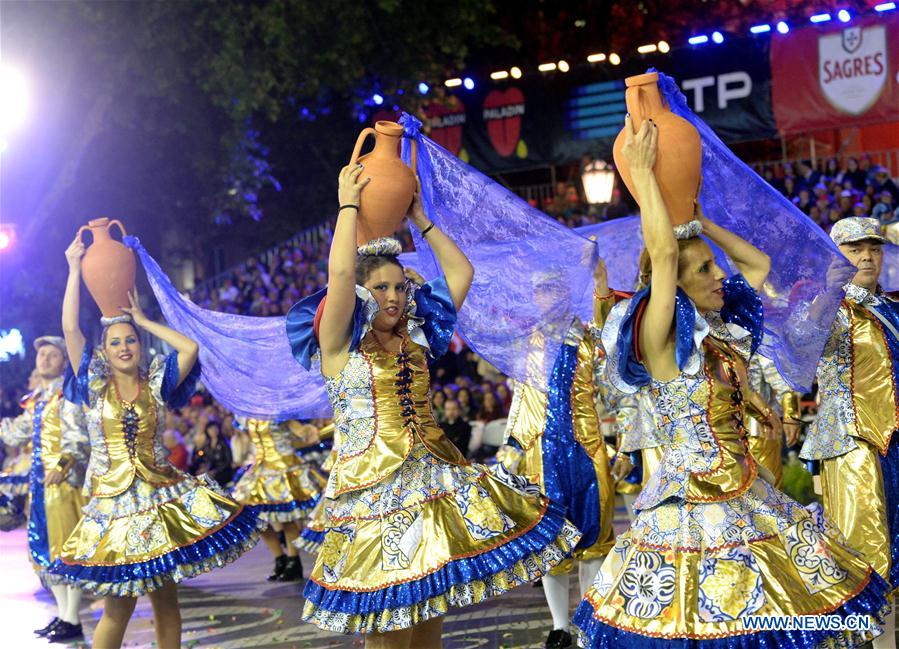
(647, 585)
(808, 549)
(730, 586)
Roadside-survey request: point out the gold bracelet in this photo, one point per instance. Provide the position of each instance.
(607, 296)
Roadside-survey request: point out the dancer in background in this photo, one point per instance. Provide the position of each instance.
(56, 431)
(766, 441)
(147, 525)
(281, 487)
(712, 543)
(561, 448)
(853, 436)
(413, 528)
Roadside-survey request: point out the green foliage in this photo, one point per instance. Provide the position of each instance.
(798, 483)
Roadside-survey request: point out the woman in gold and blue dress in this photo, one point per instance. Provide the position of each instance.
(282, 487)
(413, 528)
(714, 543)
(147, 525)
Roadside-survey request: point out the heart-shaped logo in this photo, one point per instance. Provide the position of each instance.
(447, 122)
(503, 111)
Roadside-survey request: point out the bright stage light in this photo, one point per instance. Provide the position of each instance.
(499, 75)
(563, 66)
(3, 145)
(515, 72)
(468, 83)
(783, 27)
(423, 88)
(546, 67)
(614, 59)
(820, 18)
(664, 47)
(646, 49)
(718, 37)
(453, 83)
(11, 344)
(598, 179)
(760, 29)
(698, 40)
(596, 58)
(885, 6)
(5, 240)
(844, 16)
(13, 99)
(378, 99)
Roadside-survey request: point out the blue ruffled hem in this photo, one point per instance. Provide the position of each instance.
(293, 505)
(595, 634)
(442, 580)
(13, 479)
(310, 541)
(214, 550)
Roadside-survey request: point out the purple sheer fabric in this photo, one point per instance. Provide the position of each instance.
(530, 271)
(801, 253)
(246, 361)
(889, 276)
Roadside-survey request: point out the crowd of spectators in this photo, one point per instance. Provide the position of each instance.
(833, 189)
(468, 393)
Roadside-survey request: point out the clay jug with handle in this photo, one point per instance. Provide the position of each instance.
(386, 199)
(108, 267)
(678, 167)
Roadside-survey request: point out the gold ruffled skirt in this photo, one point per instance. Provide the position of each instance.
(686, 570)
(432, 536)
(280, 495)
(137, 541)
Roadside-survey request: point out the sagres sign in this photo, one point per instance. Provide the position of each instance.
(852, 67)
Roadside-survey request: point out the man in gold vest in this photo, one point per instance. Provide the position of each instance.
(853, 436)
(57, 431)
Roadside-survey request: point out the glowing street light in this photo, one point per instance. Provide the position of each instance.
(13, 99)
(598, 179)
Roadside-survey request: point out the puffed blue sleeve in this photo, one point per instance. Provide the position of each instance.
(174, 394)
(743, 307)
(301, 326)
(434, 305)
(625, 370)
(76, 387)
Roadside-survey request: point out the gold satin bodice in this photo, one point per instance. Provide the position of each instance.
(129, 432)
(873, 392)
(734, 468)
(382, 403)
(266, 436)
(51, 429)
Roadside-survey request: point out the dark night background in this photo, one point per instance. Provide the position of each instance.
(220, 126)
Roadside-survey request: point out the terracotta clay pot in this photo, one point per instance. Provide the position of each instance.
(108, 267)
(678, 168)
(386, 199)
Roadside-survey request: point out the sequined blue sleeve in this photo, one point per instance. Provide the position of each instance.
(435, 306)
(76, 388)
(743, 306)
(174, 394)
(300, 327)
(628, 367)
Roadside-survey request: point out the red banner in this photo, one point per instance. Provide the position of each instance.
(835, 75)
